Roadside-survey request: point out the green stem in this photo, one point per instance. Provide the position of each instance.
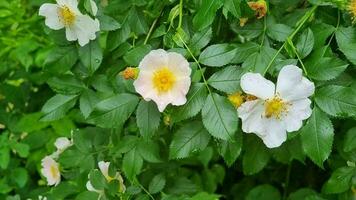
(151, 29)
(285, 192)
(264, 31)
(180, 13)
(144, 189)
(196, 61)
(300, 24)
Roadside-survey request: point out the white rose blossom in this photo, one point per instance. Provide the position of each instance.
(276, 110)
(50, 170)
(104, 168)
(164, 77)
(61, 143)
(65, 14)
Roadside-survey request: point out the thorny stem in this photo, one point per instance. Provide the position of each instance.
(300, 24)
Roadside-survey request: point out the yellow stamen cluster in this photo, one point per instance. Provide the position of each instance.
(236, 99)
(275, 107)
(352, 9)
(130, 73)
(67, 16)
(260, 7)
(54, 171)
(163, 80)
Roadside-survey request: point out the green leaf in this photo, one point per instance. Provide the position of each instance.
(20, 176)
(217, 55)
(317, 137)
(132, 164)
(230, 150)
(244, 50)
(97, 179)
(30, 123)
(148, 118)
(340, 180)
(57, 106)
(206, 14)
(250, 30)
(258, 61)
(301, 194)
(66, 84)
(4, 157)
(137, 21)
(350, 140)
(108, 23)
(149, 151)
(91, 56)
(337, 101)
(201, 39)
(192, 137)
(326, 68)
(305, 43)
(87, 195)
(61, 59)
(226, 80)
(88, 100)
(113, 111)
(195, 101)
(346, 39)
(233, 6)
(255, 157)
(135, 55)
(322, 31)
(22, 149)
(205, 196)
(279, 32)
(157, 184)
(219, 117)
(263, 192)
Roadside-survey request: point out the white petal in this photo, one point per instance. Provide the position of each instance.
(90, 187)
(255, 84)
(251, 114)
(143, 85)
(104, 168)
(94, 8)
(50, 11)
(291, 85)
(85, 28)
(153, 60)
(62, 143)
(178, 64)
(298, 111)
(71, 35)
(275, 133)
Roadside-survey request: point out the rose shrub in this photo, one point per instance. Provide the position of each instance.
(178, 99)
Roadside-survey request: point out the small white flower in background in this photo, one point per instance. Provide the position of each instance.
(278, 109)
(65, 14)
(164, 77)
(50, 170)
(104, 168)
(62, 143)
(42, 197)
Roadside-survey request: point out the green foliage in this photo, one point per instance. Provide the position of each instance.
(51, 87)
